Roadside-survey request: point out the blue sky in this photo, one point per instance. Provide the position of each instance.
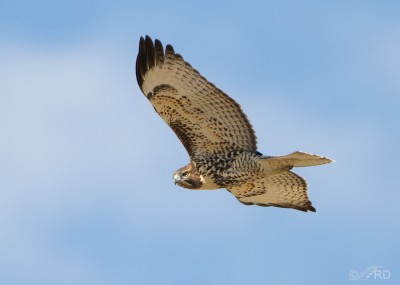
(86, 192)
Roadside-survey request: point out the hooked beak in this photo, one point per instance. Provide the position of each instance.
(176, 178)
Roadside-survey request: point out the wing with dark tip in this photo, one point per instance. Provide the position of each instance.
(203, 117)
(285, 190)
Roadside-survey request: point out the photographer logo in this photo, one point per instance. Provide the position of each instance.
(371, 272)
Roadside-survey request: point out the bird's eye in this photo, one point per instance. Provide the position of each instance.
(185, 174)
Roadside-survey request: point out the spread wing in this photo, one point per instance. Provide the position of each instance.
(285, 189)
(203, 117)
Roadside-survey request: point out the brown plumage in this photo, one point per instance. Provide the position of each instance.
(217, 135)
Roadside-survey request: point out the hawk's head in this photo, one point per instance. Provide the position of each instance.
(188, 177)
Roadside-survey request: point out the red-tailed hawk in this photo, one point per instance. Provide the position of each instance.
(217, 135)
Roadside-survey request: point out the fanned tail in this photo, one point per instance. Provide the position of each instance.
(296, 159)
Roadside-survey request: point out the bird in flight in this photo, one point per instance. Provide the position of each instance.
(217, 135)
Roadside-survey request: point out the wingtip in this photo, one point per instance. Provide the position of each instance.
(145, 58)
(306, 208)
(150, 53)
(169, 49)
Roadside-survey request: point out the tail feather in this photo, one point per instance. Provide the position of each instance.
(298, 159)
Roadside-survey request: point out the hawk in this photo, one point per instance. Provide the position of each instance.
(217, 135)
